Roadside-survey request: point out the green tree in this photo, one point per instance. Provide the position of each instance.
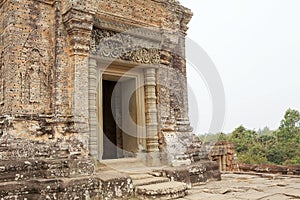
(265, 131)
(289, 128)
(286, 149)
(281, 146)
(222, 137)
(213, 137)
(246, 145)
(243, 139)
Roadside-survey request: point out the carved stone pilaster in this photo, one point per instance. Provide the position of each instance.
(79, 25)
(89, 6)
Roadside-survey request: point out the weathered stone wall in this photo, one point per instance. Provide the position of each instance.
(28, 58)
(4, 8)
(157, 13)
(270, 169)
(28, 123)
(177, 138)
(37, 71)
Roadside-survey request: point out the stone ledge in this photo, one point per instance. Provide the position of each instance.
(22, 170)
(94, 187)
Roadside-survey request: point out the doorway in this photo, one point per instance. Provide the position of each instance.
(119, 117)
(109, 123)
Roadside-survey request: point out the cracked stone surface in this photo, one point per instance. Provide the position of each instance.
(247, 187)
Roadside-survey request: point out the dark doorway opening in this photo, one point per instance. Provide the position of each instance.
(119, 114)
(109, 125)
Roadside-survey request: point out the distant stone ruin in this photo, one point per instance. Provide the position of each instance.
(84, 82)
(223, 153)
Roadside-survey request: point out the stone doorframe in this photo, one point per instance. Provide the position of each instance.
(145, 77)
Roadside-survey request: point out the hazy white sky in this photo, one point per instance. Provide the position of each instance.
(255, 45)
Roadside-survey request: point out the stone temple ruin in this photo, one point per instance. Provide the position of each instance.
(91, 86)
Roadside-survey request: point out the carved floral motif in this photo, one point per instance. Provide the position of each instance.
(124, 46)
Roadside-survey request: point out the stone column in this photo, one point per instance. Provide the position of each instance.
(151, 116)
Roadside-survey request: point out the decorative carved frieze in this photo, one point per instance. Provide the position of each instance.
(123, 46)
(152, 33)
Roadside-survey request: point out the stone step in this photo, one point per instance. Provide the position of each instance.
(119, 164)
(149, 181)
(166, 190)
(140, 176)
(122, 162)
(128, 166)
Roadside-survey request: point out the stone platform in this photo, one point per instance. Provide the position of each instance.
(248, 187)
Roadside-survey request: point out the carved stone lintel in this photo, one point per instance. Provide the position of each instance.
(126, 47)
